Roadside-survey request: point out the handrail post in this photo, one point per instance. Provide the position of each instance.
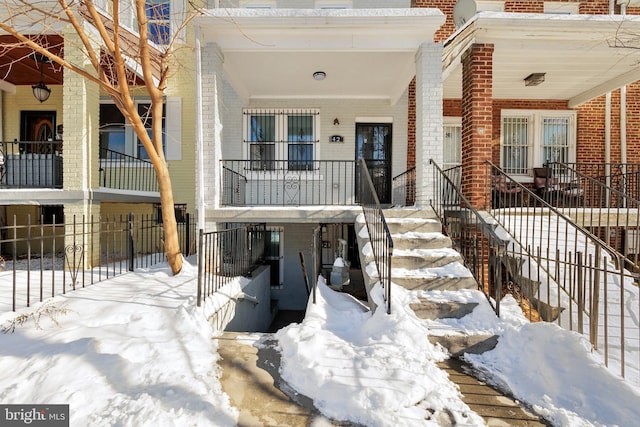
(130, 241)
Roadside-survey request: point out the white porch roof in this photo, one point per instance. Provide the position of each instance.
(582, 55)
(365, 53)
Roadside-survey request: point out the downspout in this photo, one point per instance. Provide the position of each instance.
(199, 136)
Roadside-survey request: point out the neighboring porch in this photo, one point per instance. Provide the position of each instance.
(39, 164)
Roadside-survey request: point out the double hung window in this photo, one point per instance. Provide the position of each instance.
(116, 133)
(281, 139)
(532, 138)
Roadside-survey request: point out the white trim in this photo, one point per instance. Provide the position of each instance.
(371, 119)
(173, 128)
(258, 4)
(333, 4)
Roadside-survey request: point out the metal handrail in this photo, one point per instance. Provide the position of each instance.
(288, 182)
(224, 255)
(472, 234)
(31, 164)
(563, 272)
(123, 172)
(404, 188)
(605, 202)
(379, 234)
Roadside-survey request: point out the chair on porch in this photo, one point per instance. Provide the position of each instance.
(550, 188)
(504, 195)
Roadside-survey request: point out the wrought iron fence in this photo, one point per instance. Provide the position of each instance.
(226, 255)
(287, 183)
(603, 198)
(379, 235)
(122, 172)
(31, 164)
(42, 260)
(561, 271)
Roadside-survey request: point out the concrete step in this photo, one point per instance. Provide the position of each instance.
(415, 240)
(402, 225)
(421, 213)
(424, 258)
(435, 283)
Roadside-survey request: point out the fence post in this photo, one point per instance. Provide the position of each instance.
(594, 311)
(200, 267)
(187, 237)
(130, 242)
(580, 294)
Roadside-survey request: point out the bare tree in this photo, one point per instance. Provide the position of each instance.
(108, 46)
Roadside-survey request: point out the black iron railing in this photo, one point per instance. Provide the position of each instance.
(472, 235)
(602, 198)
(31, 164)
(404, 188)
(225, 255)
(379, 235)
(287, 182)
(40, 260)
(122, 172)
(562, 271)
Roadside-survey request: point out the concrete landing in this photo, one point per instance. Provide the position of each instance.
(250, 376)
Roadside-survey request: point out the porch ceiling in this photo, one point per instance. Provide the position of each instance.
(18, 68)
(365, 53)
(581, 55)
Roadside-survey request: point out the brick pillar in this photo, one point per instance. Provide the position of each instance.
(477, 112)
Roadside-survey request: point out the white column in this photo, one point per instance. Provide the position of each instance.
(428, 118)
(212, 61)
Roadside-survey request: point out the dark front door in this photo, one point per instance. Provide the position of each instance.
(373, 144)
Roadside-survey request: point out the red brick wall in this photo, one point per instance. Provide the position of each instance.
(529, 6)
(477, 121)
(590, 136)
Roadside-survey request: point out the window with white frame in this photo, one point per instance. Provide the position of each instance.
(532, 138)
(116, 133)
(452, 143)
(163, 17)
(281, 139)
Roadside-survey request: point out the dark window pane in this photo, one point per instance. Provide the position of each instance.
(262, 128)
(299, 128)
(300, 156)
(262, 156)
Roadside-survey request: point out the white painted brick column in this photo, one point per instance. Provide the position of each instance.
(428, 118)
(80, 114)
(212, 92)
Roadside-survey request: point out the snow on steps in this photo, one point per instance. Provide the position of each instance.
(422, 258)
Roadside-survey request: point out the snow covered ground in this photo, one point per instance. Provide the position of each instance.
(135, 351)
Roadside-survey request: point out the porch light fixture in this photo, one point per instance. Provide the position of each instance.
(534, 79)
(40, 90)
(319, 75)
(336, 122)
